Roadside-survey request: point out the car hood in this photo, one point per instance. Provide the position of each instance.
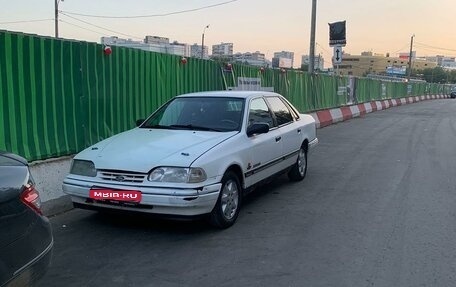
(141, 149)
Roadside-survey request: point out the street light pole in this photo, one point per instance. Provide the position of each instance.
(56, 17)
(312, 37)
(410, 58)
(202, 42)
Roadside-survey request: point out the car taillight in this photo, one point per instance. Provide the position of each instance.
(31, 198)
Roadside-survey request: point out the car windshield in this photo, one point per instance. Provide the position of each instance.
(199, 113)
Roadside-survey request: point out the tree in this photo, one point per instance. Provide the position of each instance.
(436, 75)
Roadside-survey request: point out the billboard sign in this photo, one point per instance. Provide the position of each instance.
(285, 63)
(392, 70)
(337, 34)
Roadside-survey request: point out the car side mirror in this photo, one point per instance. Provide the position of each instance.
(257, 128)
(139, 122)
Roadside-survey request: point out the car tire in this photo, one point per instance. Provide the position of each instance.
(299, 170)
(227, 208)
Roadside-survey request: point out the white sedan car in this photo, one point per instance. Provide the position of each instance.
(198, 154)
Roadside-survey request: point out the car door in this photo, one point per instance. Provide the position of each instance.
(289, 132)
(265, 149)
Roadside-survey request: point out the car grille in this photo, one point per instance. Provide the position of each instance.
(121, 176)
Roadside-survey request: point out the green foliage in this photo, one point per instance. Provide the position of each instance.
(436, 75)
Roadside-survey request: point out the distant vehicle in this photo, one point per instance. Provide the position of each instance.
(453, 93)
(25, 234)
(196, 155)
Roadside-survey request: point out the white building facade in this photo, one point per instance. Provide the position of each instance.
(222, 50)
(195, 51)
(319, 62)
(255, 59)
(283, 59)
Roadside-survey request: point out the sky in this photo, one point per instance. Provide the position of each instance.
(268, 26)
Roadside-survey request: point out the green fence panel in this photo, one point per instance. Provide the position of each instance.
(296, 90)
(130, 84)
(362, 90)
(39, 96)
(326, 91)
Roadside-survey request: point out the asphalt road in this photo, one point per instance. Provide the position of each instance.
(378, 208)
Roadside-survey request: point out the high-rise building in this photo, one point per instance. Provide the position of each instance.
(254, 59)
(116, 41)
(319, 62)
(156, 40)
(179, 49)
(283, 55)
(195, 51)
(222, 50)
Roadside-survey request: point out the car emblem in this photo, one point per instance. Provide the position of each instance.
(120, 178)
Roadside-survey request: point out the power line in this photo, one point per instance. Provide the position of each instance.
(151, 15)
(434, 47)
(26, 21)
(434, 51)
(401, 49)
(99, 27)
(80, 27)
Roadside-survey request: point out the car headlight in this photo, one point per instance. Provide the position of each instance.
(83, 167)
(178, 175)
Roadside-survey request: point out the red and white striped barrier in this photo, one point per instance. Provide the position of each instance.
(328, 117)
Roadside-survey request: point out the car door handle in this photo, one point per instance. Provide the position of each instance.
(299, 131)
(278, 139)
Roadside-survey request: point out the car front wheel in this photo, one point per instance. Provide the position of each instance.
(299, 169)
(228, 204)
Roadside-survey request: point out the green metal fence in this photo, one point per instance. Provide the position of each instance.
(59, 96)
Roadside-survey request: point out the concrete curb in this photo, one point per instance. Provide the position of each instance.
(328, 117)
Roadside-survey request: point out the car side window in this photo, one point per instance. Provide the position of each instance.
(280, 110)
(259, 112)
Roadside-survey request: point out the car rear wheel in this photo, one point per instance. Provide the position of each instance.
(228, 204)
(299, 170)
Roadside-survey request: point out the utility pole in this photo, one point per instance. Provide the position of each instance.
(202, 42)
(410, 58)
(56, 17)
(312, 37)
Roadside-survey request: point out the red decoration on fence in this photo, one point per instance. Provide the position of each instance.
(183, 60)
(107, 50)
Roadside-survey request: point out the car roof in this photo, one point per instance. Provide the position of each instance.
(230, 94)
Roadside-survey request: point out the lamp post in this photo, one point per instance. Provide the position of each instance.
(312, 37)
(202, 41)
(410, 58)
(56, 17)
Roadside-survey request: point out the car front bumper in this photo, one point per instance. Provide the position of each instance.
(166, 201)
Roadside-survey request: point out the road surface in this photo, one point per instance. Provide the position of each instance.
(377, 208)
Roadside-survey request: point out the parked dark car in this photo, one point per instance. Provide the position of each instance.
(25, 234)
(453, 94)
